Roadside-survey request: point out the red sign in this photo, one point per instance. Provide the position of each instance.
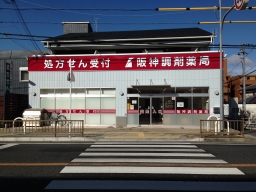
(187, 111)
(155, 61)
(200, 111)
(241, 4)
(132, 111)
(81, 111)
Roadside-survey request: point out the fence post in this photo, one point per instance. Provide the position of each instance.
(201, 128)
(243, 128)
(82, 128)
(55, 123)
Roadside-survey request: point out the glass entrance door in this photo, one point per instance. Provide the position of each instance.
(144, 111)
(157, 111)
(150, 111)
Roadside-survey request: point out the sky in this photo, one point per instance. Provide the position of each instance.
(44, 18)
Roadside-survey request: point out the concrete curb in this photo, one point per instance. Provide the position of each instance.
(81, 139)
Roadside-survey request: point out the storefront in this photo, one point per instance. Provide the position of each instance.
(170, 88)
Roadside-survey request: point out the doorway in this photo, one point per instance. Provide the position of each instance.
(150, 111)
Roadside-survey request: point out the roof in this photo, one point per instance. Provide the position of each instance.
(143, 34)
(250, 88)
(19, 53)
(249, 100)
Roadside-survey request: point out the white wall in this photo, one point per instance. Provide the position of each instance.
(121, 80)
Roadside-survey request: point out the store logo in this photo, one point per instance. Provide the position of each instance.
(129, 63)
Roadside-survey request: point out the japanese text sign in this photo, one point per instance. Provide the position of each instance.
(155, 61)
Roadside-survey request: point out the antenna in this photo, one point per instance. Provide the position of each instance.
(96, 23)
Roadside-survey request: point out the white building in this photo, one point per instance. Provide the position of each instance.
(124, 78)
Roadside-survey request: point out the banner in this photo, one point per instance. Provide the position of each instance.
(112, 62)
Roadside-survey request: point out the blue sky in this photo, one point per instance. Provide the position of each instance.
(117, 15)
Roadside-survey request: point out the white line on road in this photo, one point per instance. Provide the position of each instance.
(136, 160)
(7, 146)
(136, 149)
(152, 170)
(149, 154)
(150, 146)
(140, 143)
(133, 185)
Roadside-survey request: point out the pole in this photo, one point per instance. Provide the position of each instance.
(244, 80)
(221, 72)
(221, 64)
(70, 100)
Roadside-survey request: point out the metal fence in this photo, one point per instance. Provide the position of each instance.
(222, 128)
(43, 127)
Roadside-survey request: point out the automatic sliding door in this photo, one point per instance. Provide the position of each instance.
(150, 111)
(157, 111)
(144, 111)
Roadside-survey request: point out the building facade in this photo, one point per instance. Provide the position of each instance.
(155, 77)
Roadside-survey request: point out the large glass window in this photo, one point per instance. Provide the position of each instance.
(169, 103)
(183, 103)
(46, 91)
(78, 103)
(108, 103)
(183, 89)
(93, 91)
(201, 103)
(62, 103)
(47, 103)
(200, 89)
(98, 106)
(108, 91)
(62, 91)
(92, 103)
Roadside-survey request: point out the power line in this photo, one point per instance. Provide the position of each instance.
(23, 23)
(77, 9)
(109, 23)
(23, 35)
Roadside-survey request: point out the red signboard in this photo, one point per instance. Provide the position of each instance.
(154, 61)
(81, 111)
(182, 111)
(200, 111)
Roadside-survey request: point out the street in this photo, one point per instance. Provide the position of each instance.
(126, 166)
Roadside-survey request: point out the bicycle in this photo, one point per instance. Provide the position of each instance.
(60, 119)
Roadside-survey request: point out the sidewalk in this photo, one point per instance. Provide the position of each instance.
(136, 134)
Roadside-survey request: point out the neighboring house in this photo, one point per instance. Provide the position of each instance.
(14, 83)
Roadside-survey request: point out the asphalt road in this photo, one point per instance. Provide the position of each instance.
(130, 166)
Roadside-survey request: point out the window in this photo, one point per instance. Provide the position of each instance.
(24, 76)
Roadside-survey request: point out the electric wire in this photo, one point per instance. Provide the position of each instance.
(82, 13)
(23, 24)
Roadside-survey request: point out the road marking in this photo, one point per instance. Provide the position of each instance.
(192, 164)
(137, 160)
(140, 143)
(149, 146)
(136, 149)
(33, 164)
(152, 170)
(7, 146)
(150, 154)
(150, 185)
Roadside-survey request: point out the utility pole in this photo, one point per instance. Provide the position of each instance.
(242, 54)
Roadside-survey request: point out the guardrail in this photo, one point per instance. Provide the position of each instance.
(43, 127)
(222, 128)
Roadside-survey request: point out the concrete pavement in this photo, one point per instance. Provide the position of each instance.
(136, 134)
